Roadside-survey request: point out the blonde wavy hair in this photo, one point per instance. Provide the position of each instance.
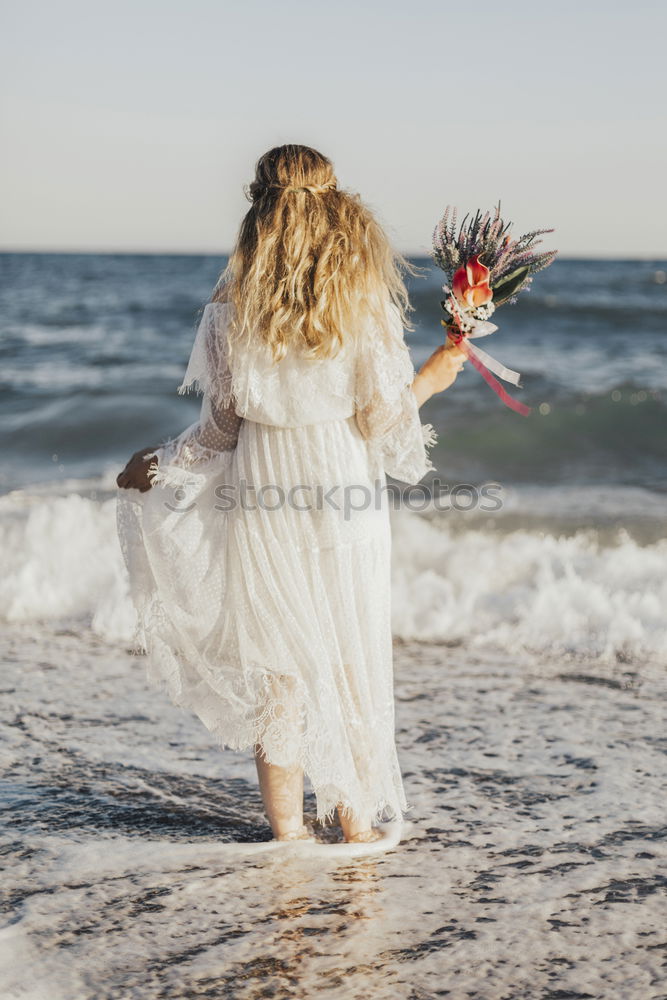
(309, 261)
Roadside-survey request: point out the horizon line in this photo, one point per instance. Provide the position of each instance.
(420, 255)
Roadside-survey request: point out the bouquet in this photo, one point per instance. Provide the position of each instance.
(485, 268)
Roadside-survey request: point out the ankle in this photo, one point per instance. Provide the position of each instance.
(364, 836)
(354, 825)
(297, 833)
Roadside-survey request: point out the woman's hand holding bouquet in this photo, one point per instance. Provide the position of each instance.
(438, 372)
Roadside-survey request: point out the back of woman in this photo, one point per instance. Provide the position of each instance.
(258, 542)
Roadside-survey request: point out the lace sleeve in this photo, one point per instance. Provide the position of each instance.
(217, 429)
(387, 413)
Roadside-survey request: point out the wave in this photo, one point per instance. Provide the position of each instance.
(571, 597)
(568, 596)
(62, 562)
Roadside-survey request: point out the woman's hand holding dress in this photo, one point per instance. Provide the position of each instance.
(135, 475)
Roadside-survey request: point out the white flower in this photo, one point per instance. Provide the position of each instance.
(485, 310)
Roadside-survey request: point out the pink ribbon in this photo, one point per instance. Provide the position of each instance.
(513, 404)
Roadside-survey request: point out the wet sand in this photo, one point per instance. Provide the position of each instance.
(533, 862)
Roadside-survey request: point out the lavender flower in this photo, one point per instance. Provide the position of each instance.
(487, 237)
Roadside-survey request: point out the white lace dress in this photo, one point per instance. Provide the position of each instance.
(259, 562)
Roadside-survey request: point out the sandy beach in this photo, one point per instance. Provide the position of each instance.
(533, 863)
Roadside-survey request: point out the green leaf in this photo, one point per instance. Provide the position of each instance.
(510, 285)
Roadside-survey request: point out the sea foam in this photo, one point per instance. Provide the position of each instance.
(564, 595)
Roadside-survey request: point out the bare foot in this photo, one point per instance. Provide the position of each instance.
(302, 833)
(365, 836)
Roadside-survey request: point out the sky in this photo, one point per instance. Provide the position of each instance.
(134, 125)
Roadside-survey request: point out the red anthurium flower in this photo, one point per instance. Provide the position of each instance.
(470, 284)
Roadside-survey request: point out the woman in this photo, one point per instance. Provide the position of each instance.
(259, 560)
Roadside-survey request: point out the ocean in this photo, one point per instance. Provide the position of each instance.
(93, 347)
(530, 643)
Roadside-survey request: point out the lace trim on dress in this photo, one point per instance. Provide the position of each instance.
(387, 410)
(217, 430)
(384, 365)
(208, 369)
